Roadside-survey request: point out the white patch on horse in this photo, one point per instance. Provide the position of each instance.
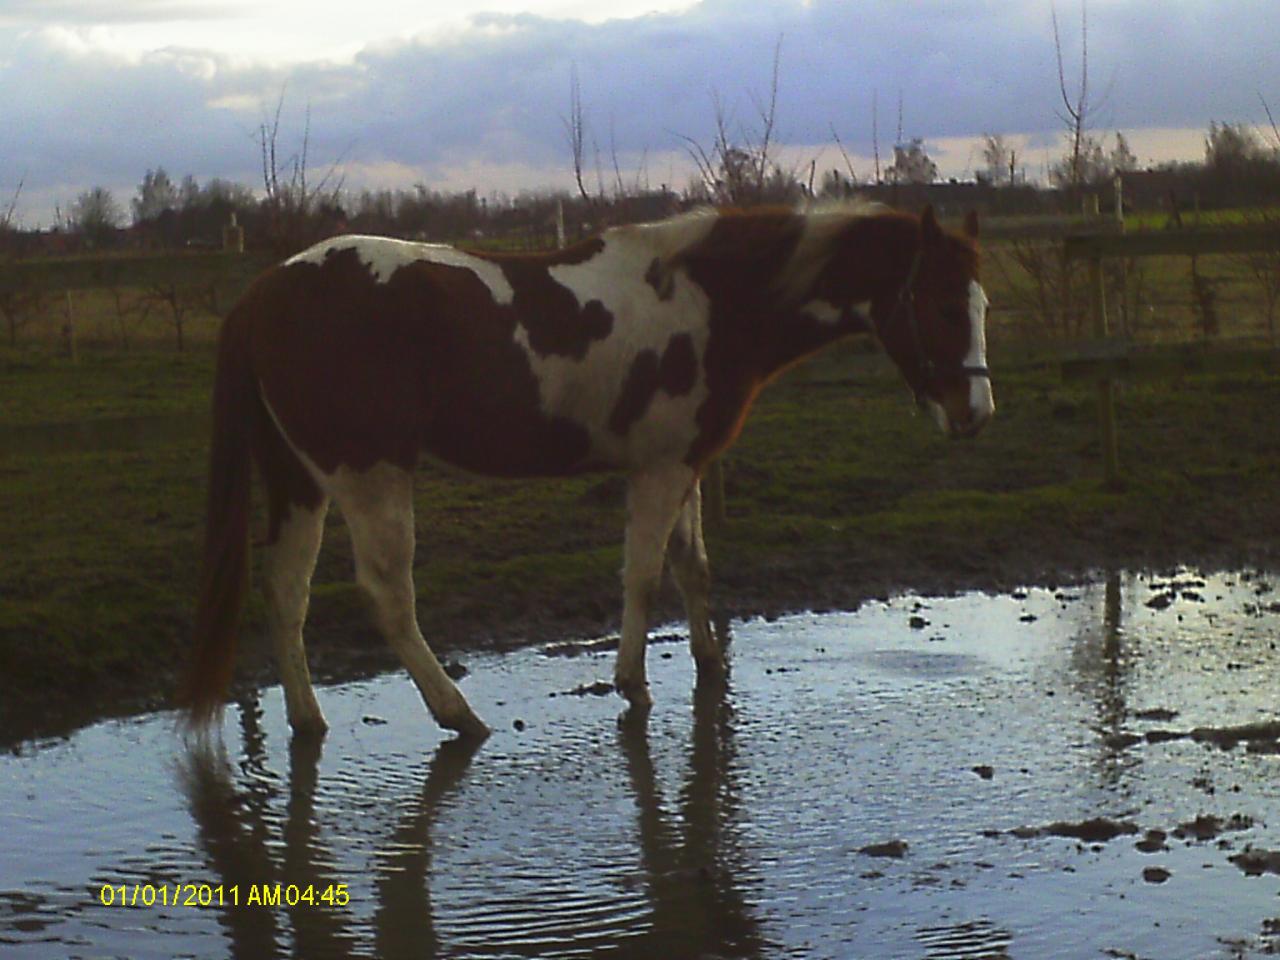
(377, 505)
(824, 223)
(939, 414)
(666, 238)
(383, 256)
(982, 401)
(827, 313)
(587, 390)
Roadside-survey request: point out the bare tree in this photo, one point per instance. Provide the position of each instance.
(21, 302)
(1275, 130)
(911, 163)
(575, 128)
(6, 214)
(96, 216)
(291, 201)
(998, 158)
(182, 302)
(1264, 268)
(1077, 110)
(130, 307)
(156, 194)
(1122, 157)
(742, 167)
(875, 133)
(1230, 146)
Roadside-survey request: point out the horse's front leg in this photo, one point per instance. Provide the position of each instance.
(688, 554)
(654, 498)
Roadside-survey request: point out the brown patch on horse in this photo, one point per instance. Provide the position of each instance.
(637, 392)
(661, 279)
(674, 373)
(738, 265)
(550, 313)
(678, 370)
(359, 372)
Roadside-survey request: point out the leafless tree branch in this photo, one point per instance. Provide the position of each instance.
(6, 219)
(575, 130)
(848, 162)
(1275, 130)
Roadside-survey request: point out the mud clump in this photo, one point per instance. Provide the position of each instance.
(1256, 862)
(1257, 737)
(1159, 714)
(1096, 830)
(599, 688)
(1206, 827)
(896, 849)
(1152, 842)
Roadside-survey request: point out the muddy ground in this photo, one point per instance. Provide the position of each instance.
(836, 494)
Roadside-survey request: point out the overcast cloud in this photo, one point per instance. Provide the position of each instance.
(484, 99)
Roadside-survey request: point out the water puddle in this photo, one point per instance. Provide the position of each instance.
(1091, 772)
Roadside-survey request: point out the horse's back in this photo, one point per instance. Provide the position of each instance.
(369, 350)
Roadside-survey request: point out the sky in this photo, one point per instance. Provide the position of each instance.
(473, 93)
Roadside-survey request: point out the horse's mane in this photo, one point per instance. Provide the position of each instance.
(681, 233)
(806, 235)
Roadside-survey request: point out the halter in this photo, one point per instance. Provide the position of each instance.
(907, 301)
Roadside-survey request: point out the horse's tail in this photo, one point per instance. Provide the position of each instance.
(224, 574)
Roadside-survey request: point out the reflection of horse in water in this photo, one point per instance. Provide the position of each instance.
(639, 351)
(693, 862)
(690, 860)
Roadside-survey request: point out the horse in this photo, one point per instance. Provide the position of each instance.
(640, 351)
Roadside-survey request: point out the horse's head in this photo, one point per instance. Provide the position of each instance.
(933, 326)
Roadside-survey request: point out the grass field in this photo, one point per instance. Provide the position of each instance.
(835, 493)
(1149, 299)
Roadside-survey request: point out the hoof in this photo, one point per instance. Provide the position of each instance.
(636, 694)
(309, 728)
(634, 721)
(468, 727)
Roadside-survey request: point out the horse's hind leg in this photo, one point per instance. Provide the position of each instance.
(288, 564)
(688, 555)
(378, 507)
(654, 499)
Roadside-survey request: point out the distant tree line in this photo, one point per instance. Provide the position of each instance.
(1240, 168)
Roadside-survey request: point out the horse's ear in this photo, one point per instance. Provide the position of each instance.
(971, 224)
(929, 225)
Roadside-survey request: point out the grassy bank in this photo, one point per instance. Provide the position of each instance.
(836, 493)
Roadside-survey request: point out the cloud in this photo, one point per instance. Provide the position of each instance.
(93, 12)
(489, 96)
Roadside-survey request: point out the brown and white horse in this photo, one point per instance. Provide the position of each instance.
(639, 351)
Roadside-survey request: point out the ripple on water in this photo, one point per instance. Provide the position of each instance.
(971, 940)
(737, 826)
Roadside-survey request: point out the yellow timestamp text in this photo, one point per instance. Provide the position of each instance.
(223, 895)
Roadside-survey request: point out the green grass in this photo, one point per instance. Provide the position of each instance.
(835, 492)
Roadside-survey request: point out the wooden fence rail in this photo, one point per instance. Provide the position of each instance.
(1109, 358)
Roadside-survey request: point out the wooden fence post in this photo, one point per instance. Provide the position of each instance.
(69, 331)
(233, 236)
(1106, 386)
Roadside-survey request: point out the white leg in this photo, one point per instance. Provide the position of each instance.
(654, 498)
(288, 564)
(378, 506)
(688, 554)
